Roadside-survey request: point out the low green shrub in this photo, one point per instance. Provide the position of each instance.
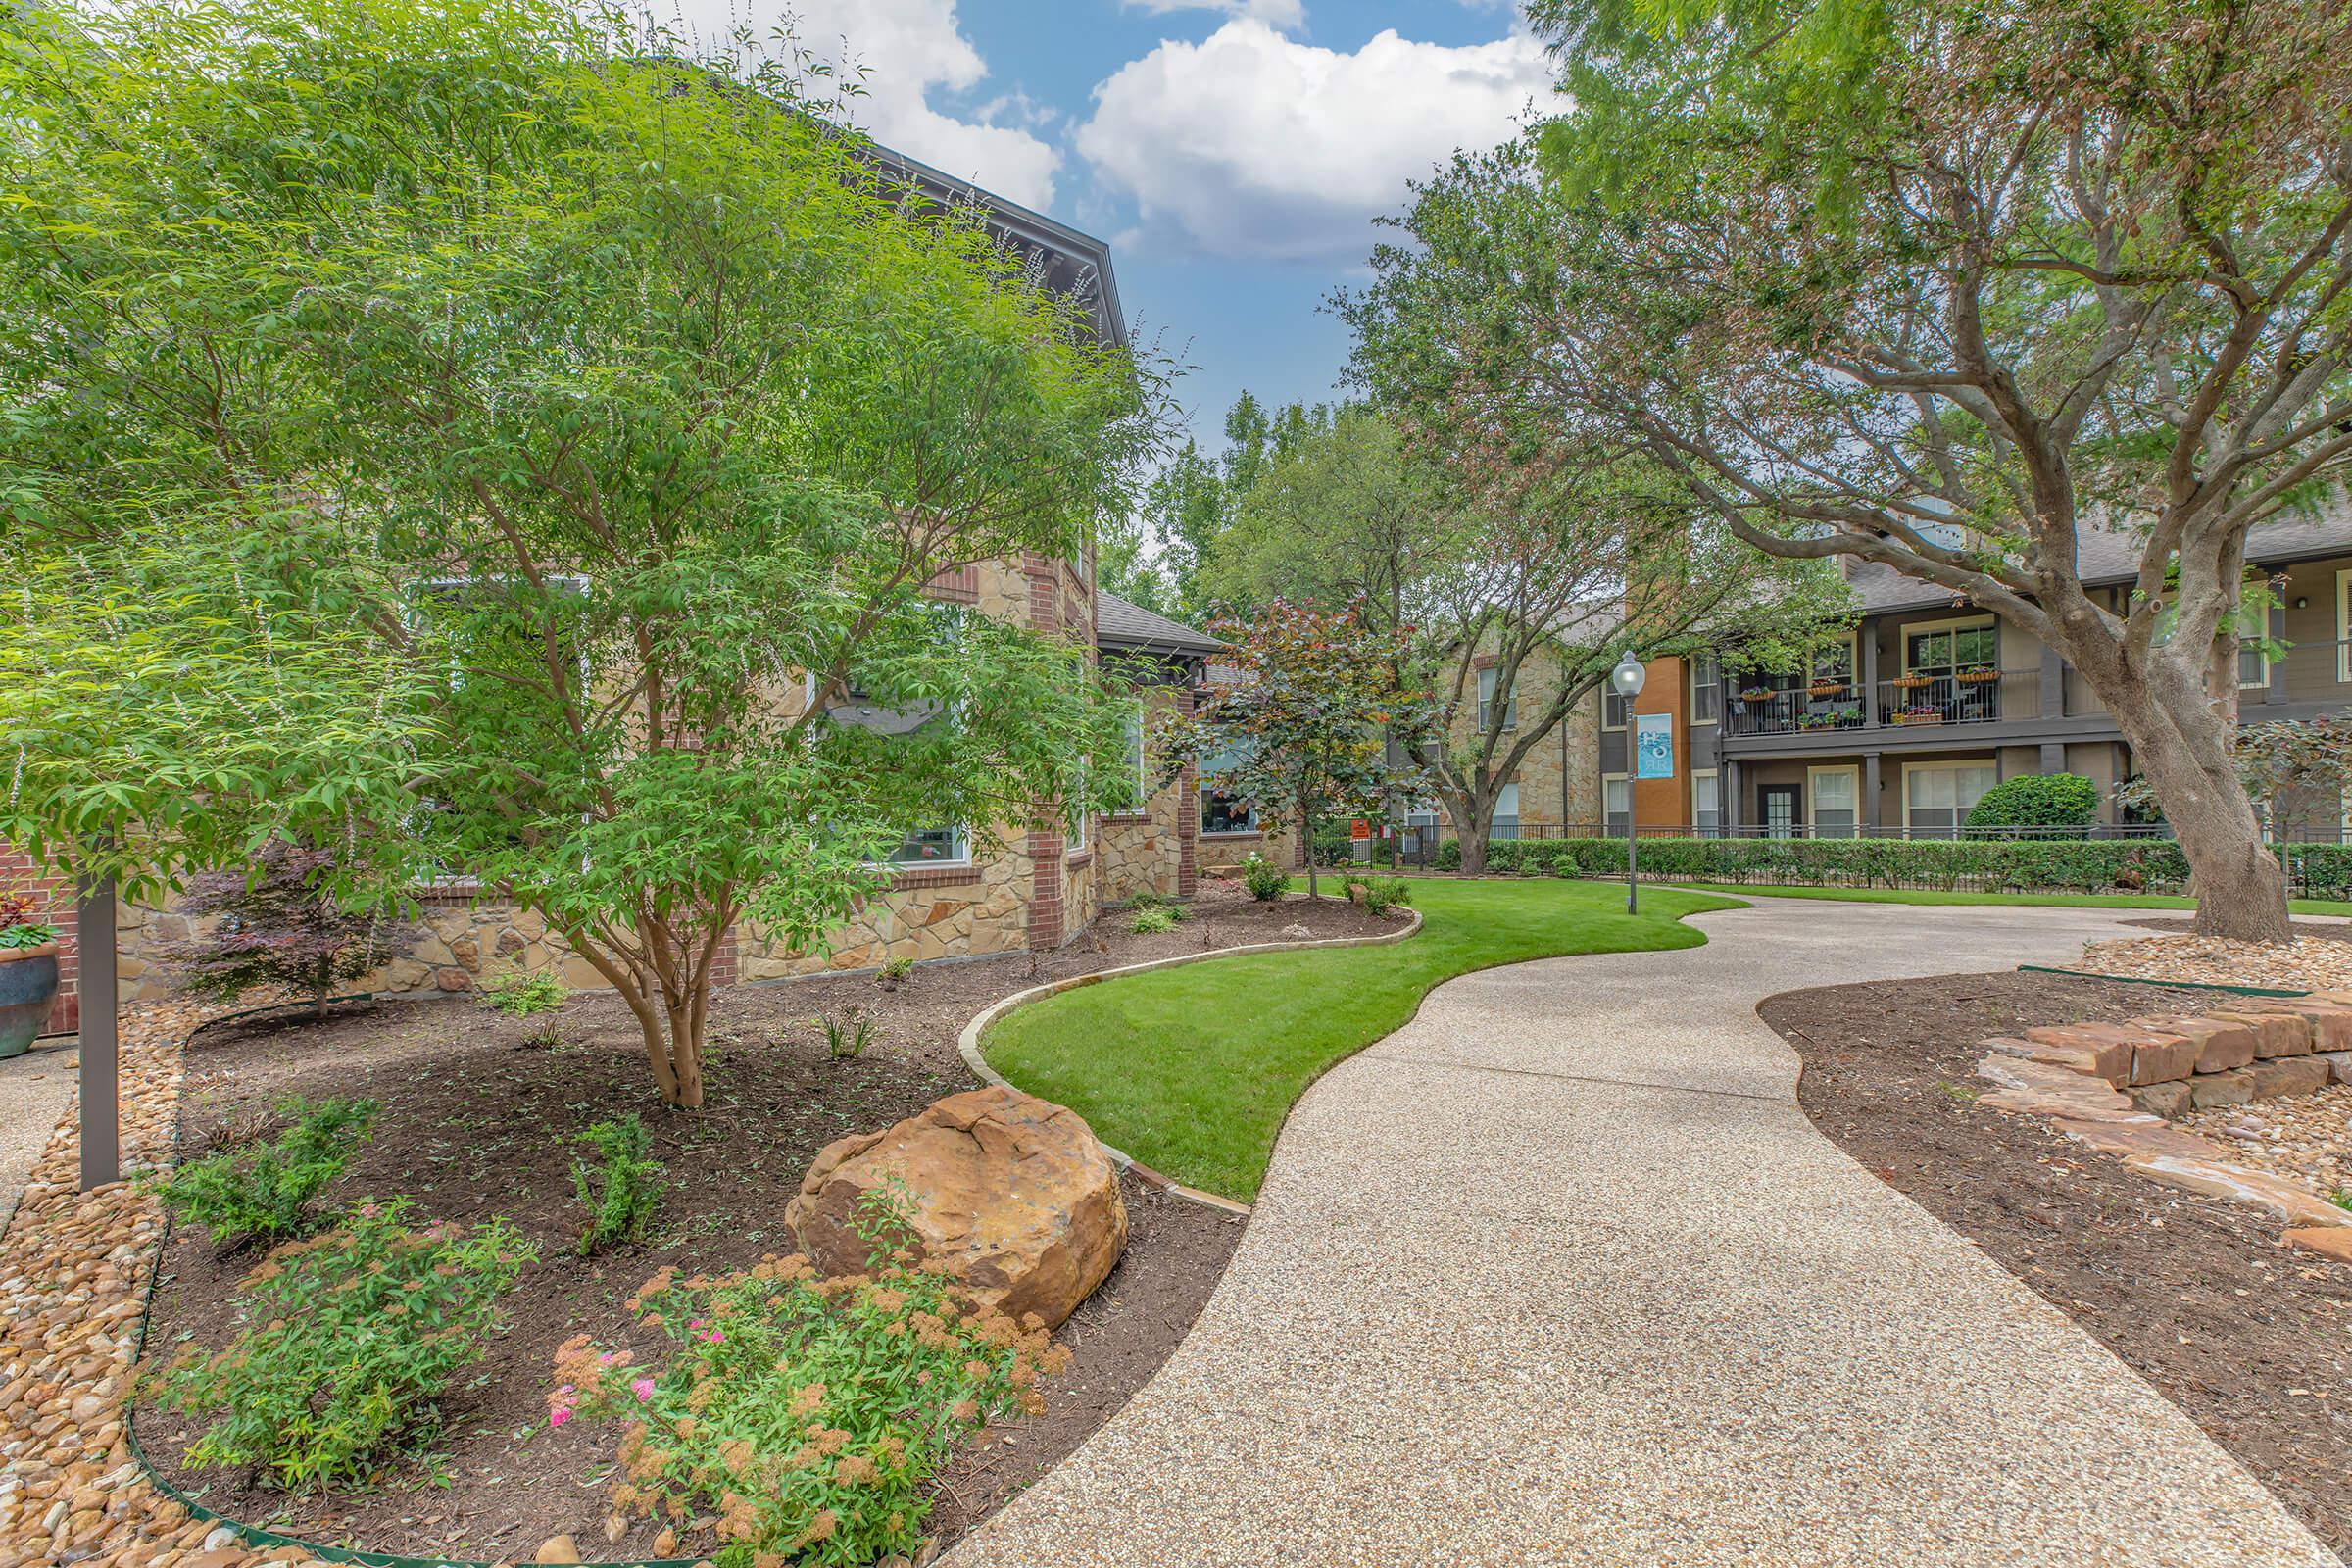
(1973, 865)
(1154, 918)
(892, 971)
(620, 1191)
(848, 1036)
(2038, 799)
(518, 994)
(262, 1190)
(801, 1418)
(354, 1334)
(1263, 878)
(1448, 856)
(1385, 893)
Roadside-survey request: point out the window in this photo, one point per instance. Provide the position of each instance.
(2253, 664)
(1487, 680)
(1938, 796)
(1836, 665)
(1706, 689)
(1507, 813)
(1137, 765)
(1947, 649)
(2343, 626)
(933, 846)
(1706, 804)
(1835, 793)
(1220, 811)
(1615, 794)
(1079, 823)
(1614, 707)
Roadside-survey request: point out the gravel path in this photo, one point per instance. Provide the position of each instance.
(1559, 1273)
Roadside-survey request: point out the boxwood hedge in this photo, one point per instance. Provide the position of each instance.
(1972, 866)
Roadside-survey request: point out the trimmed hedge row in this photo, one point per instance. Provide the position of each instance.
(1972, 866)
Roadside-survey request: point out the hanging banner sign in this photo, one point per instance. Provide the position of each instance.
(1653, 746)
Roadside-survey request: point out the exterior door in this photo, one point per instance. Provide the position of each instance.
(1780, 804)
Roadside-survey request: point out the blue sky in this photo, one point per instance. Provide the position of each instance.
(1233, 150)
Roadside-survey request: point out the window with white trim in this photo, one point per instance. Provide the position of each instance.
(1137, 765)
(1616, 798)
(1220, 811)
(1834, 801)
(1507, 813)
(1938, 795)
(1706, 802)
(1488, 679)
(1706, 689)
(933, 846)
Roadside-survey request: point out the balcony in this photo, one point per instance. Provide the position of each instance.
(1908, 702)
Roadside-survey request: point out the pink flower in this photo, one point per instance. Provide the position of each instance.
(608, 1358)
(717, 1336)
(557, 1416)
(643, 1388)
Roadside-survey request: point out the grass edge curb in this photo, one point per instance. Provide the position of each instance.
(967, 1043)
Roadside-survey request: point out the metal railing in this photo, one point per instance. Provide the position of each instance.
(1615, 830)
(1912, 701)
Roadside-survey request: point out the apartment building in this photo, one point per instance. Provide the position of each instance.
(1932, 700)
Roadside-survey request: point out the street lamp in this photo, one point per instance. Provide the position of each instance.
(1627, 678)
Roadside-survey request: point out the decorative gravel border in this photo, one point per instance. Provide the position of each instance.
(968, 1042)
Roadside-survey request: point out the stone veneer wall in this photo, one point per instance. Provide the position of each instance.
(1022, 890)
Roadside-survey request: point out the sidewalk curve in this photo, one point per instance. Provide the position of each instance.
(1559, 1273)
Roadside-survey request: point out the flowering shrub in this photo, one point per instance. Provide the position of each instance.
(264, 1190)
(619, 1192)
(801, 1416)
(1263, 878)
(351, 1336)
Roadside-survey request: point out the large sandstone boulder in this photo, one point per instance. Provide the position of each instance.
(1010, 1193)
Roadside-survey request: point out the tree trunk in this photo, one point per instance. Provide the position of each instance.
(2181, 736)
(1306, 845)
(685, 1045)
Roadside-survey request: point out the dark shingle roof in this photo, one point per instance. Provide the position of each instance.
(2112, 556)
(1120, 623)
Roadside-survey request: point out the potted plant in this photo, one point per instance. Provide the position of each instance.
(1757, 693)
(1912, 683)
(1921, 715)
(1978, 675)
(27, 973)
(1826, 688)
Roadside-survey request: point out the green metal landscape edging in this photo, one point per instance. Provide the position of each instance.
(255, 1536)
(2175, 985)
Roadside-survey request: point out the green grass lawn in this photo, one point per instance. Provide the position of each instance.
(2080, 901)
(1192, 1070)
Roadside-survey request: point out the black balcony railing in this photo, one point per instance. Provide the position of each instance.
(1919, 700)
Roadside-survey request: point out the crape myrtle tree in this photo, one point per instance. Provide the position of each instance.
(1944, 287)
(1297, 718)
(606, 415)
(1528, 555)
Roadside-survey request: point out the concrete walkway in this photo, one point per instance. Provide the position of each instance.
(1559, 1273)
(35, 1091)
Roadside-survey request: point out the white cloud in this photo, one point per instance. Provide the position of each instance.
(1283, 14)
(910, 50)
(1254, 145)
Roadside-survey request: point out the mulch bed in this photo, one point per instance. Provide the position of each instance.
(478, 1113)
(2198, 1296)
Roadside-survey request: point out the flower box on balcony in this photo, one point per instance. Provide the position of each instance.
(1758, 694)
(1980, 675)
(1916, 716)
(1826, 688)
(1912, 683)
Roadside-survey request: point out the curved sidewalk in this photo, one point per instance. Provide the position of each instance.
(1559, 1273)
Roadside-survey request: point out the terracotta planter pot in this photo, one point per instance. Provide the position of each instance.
(28, 985)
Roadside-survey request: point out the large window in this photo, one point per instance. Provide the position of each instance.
(1220, 811)
(1507, 813)
(1938, 796)
(933, 846)
(1137, 766)
(1487, 680)
(1836, 793)
(1944, 650)
(1706, 689)
(1706, 804)
(1615, 796)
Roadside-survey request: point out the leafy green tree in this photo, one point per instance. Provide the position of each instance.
(1299, 724)
(1947, 288)
(587, 418)
(1543, 553)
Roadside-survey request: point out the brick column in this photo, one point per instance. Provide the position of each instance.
(53, 904)
(1048, 919)
(1188, 814)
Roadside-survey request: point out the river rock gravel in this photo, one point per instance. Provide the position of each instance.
(2307, 964)
(2304, 1138)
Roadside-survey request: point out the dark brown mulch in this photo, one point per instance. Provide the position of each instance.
(2199, 1296)
(477, 1121)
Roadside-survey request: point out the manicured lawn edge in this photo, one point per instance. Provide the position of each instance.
(968, 1042)
(1931, 897)
(1200, 1072)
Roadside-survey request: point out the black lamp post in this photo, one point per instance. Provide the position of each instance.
(1627, 678)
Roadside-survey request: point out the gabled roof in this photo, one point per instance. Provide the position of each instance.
(1122, 624)
(2107, 556)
